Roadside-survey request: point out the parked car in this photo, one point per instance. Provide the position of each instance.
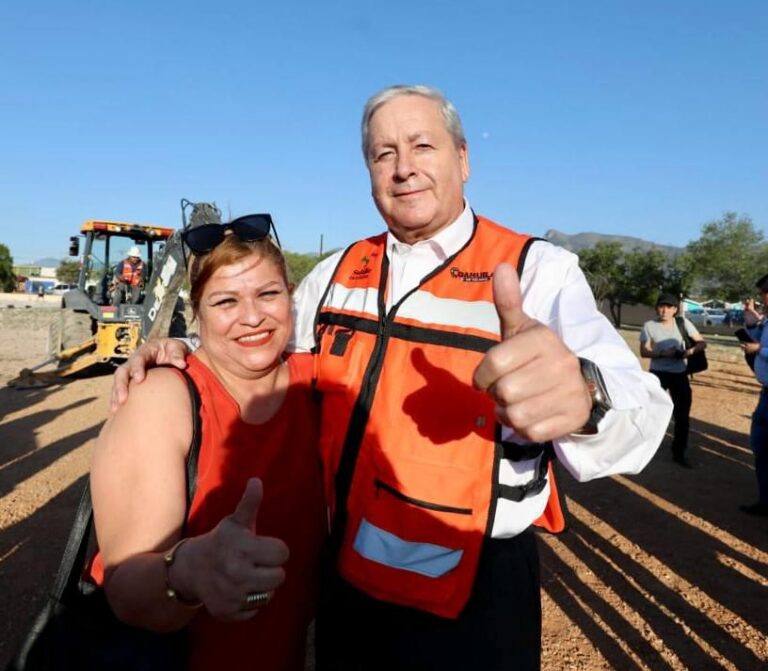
(706, 317)
(734, 317)
(61, 289)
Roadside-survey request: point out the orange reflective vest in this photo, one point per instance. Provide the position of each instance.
(411, 450)
(130, 274)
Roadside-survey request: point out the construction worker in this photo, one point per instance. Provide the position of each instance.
(128, 277)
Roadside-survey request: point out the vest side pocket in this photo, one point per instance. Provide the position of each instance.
(414, 543)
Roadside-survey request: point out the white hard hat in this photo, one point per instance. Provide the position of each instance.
(133, 251)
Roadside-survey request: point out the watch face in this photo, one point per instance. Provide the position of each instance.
(595, 385)
(600, 400)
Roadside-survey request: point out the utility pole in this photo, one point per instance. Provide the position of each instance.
(321, 244)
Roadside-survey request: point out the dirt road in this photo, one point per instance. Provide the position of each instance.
(658, 571)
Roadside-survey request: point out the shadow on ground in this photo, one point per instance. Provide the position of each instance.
(669, 558)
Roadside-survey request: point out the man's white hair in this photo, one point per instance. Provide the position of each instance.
(450, 115)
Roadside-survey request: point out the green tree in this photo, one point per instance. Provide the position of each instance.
(68, 271)
(601, 266)
(727, 258)
(644, 275)
(620, 277)
(7, 278)
(679, 276)
(299, 265)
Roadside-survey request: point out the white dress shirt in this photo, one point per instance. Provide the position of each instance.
(556, 294)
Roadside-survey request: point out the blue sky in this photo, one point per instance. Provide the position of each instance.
(637, 118)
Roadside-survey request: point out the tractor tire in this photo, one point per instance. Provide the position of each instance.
(69, 329)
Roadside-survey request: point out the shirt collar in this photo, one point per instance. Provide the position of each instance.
(445, 242)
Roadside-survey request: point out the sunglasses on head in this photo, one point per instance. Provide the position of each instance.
(248, 228)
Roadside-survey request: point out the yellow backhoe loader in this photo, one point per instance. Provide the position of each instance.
(98, 325)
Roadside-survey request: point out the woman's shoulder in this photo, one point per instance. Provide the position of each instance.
(153, 415)
(161, 392)
(166, 378)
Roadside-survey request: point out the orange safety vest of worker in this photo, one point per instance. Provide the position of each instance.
(131, 274)
(411, 450)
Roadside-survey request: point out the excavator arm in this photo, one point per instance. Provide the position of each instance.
(163, 313)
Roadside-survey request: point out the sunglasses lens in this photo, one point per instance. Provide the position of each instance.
(252, 227)
(203, 239)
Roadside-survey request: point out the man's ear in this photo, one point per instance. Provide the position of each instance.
(464, 158)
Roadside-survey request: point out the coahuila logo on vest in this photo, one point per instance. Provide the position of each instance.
(363, 272)
(469, 276)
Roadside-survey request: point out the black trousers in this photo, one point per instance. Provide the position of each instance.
(500, 628)
(680, 391)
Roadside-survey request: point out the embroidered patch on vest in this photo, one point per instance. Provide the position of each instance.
(360, 274)
(470, 276)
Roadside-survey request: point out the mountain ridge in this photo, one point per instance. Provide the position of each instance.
(578, 241)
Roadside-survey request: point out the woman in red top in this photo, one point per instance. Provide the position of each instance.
(242, 578)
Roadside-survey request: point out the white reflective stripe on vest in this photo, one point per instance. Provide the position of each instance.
(354, 300)
(432, 310)
(426, 559)
(420, 306)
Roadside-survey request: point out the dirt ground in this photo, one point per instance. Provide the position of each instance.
(658, 571)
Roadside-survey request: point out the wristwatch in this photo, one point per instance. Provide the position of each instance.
(601, 402)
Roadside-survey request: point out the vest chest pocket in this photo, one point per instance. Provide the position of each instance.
(341, 360)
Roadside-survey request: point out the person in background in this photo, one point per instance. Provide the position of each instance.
(128, 276)
(454, 358)
(240, 571)
(758, 434)
(663, 343)
(752, 316)
(753, 324)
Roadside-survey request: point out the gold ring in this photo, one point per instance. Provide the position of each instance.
(255, 600)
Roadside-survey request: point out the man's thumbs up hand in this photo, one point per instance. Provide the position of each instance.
(509, 301)
(534, 379)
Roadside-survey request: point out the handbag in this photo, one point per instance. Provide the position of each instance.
(697, 362)
(76, 628)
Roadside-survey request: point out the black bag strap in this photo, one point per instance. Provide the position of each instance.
(687, 340)
(73, 560)
(77, 546)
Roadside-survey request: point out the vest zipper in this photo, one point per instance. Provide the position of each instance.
(362, 409)
(383, 486)
(356, 429)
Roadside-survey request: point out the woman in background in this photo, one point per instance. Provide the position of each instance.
(663, 343)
